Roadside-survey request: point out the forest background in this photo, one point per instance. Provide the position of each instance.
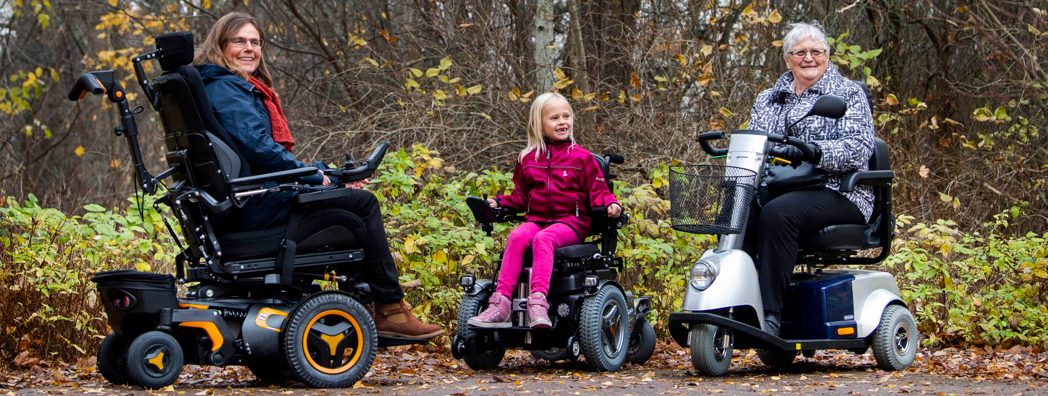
(959, 90)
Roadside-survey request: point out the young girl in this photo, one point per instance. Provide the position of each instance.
(555, 183)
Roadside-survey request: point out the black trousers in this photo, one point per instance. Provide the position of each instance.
(378, 268)
(776, 225)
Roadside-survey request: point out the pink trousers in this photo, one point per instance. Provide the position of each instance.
(543, 240)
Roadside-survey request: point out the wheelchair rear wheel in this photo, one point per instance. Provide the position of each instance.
(330, 341)
(605, 329)
(112, 360)
(472, 306)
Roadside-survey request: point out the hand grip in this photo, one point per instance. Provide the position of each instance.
(809, 153)
(616, 158)
(704, 139)
(86, 83)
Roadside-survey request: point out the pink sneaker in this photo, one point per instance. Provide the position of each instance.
(497, 314)
(538, 311)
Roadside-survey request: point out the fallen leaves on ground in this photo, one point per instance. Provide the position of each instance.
(411, 368)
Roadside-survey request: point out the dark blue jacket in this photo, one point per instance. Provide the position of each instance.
(238, 107)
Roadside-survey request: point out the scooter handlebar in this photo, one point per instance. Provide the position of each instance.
(704, 139)
(809, 153)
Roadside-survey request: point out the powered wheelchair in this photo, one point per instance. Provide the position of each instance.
(592, 314)
(253, 298)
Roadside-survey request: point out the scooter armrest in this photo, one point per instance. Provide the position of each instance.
(877, 178)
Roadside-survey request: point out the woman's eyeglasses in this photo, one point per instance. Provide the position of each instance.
(240, 42)
(803, 53)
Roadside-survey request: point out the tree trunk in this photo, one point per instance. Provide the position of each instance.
(578, 48)
(543, 54)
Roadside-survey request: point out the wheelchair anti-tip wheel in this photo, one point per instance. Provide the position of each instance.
(154, 359)
(472, 306)
(112, 360)
(711, 349)
(605, 329)
(330, 341)
(642, 342)
(895, 339)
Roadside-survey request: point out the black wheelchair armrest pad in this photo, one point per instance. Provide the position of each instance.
(481, 211)
(279, 177)
(877, 178)
(323, 195)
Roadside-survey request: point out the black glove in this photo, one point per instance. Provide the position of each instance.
(789, 153)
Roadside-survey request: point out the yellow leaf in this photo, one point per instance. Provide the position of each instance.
(704, 80)
(589, 96)
(79, 151)
(559, 74)
(445, 63)
(371, 61)
(872, 82)
(454, 80)
(591, 108)
(409, 244)
(459, 90)
(706, 50)
(605, 96)
(776, 43)
(562, 84)
(528, 95)
(622, 97)
(891, 100)
(440, 95)
(112, 3)
(474, 89)
(956, 203)
(945, 198)
(432, 72)
(416, 72)
(636, 98)
(440, 257)
(724, 112)
(115, 163)
(143, 266)
(576, 94)
(512, 96)
(207, 3)
(774, 17)
(634, 80)
(411, 83)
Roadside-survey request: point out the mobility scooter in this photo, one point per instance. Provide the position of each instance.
(592, 314)
(824, 308)
(252, 298)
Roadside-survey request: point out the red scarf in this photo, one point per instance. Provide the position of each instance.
(277, 120)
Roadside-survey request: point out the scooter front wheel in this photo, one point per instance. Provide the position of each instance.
(711, 349)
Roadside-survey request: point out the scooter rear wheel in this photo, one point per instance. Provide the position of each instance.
(711, 349)
(895, 339)
(776, 358)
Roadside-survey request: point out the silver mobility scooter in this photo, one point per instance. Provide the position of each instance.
(823, 309)
(592, 314)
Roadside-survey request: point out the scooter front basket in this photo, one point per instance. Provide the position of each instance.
(710, 199)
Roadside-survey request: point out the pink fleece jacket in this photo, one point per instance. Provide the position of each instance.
(561, 186)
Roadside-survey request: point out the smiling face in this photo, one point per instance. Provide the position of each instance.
(809, 68)
(556, 120)
(248, 56)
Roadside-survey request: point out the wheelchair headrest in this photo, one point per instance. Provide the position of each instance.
(176, 49)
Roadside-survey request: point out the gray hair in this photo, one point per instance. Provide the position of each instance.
(800, 31)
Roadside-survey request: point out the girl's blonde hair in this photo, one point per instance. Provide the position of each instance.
(537, 139)
(213, 49)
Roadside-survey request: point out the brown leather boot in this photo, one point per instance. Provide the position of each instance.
(396, 320)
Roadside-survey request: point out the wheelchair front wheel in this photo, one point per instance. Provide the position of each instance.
(472, 306)
(154, 359)
(330, 341)
(605, 329)
(642, 343)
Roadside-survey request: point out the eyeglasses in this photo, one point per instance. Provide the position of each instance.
(240, 42)
(803, 53)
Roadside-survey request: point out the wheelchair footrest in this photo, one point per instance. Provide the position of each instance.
(388, 341)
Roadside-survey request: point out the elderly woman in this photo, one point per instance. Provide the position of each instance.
(842, 145)
(238, 84)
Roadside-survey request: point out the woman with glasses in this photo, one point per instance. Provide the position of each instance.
(239, 87)
(841, 146)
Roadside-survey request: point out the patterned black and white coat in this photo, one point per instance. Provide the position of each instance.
(846, 143)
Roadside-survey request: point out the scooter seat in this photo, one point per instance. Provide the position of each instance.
(841, 237)
(576, 251)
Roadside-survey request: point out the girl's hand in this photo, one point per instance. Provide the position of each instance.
(493, 203)
(359, 184)
(326, 180)
(614, 210)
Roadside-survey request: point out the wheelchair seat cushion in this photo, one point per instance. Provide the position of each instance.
(837, 237)
(323, 230)
(576, 251)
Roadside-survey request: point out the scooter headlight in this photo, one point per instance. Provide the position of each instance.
(702, 275)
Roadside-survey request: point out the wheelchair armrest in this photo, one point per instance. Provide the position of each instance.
(279, 177)
(877, 178)
(599, 216)
(485, 214)
(322, 195)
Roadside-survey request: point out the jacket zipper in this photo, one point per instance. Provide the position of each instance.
(549, 181)
(576, 208)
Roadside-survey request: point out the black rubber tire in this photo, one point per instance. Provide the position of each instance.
(775, 358)
(112, 360)
(154, 359)
(708, 355)
(553, 355)
(472, 306)
(268, 374)
(642, 343)
(342, 319)
(604, 329)
(895, 340)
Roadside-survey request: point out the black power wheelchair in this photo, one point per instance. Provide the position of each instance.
(253, 298)
(592, 314)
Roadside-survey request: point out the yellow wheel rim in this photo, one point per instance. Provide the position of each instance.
(332, 341)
